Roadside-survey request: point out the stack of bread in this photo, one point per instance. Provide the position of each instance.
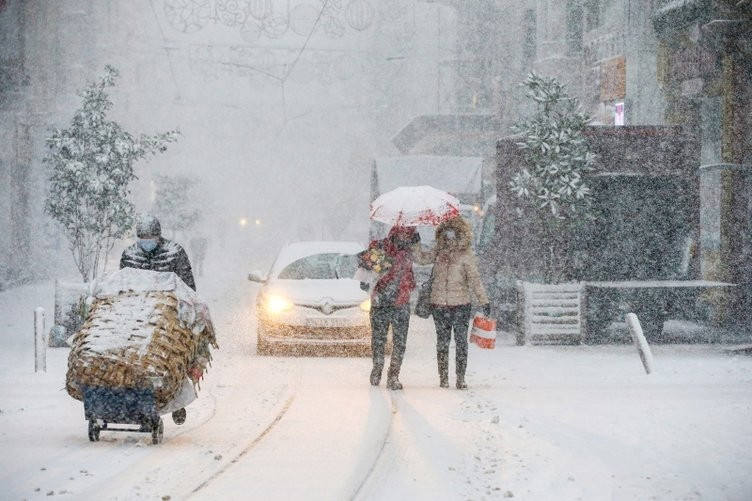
(144, 329)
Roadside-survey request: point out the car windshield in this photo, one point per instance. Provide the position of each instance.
(321, 267)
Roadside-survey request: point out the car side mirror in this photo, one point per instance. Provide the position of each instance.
(255, 276)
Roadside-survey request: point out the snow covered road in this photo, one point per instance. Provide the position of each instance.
(538, 422)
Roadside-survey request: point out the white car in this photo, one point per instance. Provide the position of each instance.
(310, 304)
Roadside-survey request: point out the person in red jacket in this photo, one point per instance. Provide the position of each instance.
(390, 302)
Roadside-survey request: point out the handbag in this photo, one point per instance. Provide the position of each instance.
(483, 331)
(423, 305)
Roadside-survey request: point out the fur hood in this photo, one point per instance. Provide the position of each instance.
(461, 227)
(455, 272)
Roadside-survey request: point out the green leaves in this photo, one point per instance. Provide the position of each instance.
(91, 165)
(554, 196)
(555, 152)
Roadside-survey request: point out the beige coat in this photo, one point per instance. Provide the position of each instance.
(456, 279)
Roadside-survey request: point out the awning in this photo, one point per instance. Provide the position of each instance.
(420, 127)
(456, 175)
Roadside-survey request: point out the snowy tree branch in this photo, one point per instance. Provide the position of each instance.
(91, 165)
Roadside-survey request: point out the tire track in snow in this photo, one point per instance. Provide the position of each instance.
(254, 442)
(198, 455)
(378, 458)
(424, 455)
(122, 451)
(336, 424)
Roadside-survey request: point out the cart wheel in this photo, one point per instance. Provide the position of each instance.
(157, 432)
(179, 416)
(93, 431)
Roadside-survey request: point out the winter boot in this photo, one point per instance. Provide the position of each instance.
(393, 384)
(392, 379)
(376, 375)
(179, 416)
(443, 360)
(461, 366)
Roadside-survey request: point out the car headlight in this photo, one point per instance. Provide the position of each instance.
(366, 305)
(276, 304)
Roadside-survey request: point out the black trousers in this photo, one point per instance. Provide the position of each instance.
(446, 319)
(381, 318)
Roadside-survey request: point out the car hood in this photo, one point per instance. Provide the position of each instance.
(344, 290)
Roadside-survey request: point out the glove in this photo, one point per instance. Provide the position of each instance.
(487, 309)
(364, 286)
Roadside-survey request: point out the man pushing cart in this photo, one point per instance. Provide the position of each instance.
(155, 253)
(142, 350)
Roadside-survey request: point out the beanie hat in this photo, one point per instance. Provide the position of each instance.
(148, 225)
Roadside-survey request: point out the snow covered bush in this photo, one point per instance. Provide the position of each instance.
(552, 187)
(555, 151)
(176, 204)
(92, 166)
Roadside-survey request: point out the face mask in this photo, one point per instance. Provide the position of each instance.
(450, 235)
(148, 244)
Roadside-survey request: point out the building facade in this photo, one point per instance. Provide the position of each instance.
(683, 63)
(705, 71)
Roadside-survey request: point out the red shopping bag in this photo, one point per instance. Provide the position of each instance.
(483, 331)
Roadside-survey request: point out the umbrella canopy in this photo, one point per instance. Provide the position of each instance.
(415, 206)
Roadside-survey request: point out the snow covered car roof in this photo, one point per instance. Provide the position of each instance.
(298, 250)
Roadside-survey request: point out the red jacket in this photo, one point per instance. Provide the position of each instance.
(402, 263)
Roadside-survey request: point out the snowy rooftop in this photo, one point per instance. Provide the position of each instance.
(455, 175)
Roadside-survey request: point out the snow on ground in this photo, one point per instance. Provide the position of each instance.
(538, 422)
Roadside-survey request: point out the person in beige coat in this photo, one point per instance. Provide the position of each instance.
(456, 283)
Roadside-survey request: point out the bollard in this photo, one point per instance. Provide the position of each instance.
(643, 348)
(40, 341)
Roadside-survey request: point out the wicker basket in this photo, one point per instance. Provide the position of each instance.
(135, 340)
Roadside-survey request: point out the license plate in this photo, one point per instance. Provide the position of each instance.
(327, 322)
